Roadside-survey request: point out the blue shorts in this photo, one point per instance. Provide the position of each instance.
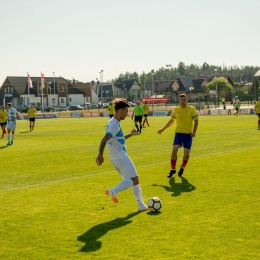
(3, 124)
(32, 119)
(184, 140)
(258, 115)
(145, 115)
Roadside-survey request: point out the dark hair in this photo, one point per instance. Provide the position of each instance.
(183, 95)
(9, 104)
(120, 103)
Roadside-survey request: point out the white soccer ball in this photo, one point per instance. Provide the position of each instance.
(154, 204)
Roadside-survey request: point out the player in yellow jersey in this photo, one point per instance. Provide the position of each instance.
(257, 111)
(31, 115)
(3, 120)
(185, 130)
(146, 110)
(111, 109)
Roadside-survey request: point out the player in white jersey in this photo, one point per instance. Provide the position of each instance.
(11, 122)
(115, 140)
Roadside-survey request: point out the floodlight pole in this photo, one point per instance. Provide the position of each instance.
(168, 66)
(42, 99)
(54, 88)
(152, 89)
(144, 86)
(101, 79)
(216, 87)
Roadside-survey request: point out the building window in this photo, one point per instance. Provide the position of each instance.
(5, 90)
(62, 100)
(70, 99)
(8, 90)
(12, 90)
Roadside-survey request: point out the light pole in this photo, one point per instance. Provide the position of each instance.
(168, 66)
(144, 86)
(216, 86)
(191, 88)
(50, 90)
(101, 79)
(54, 86)
(50, 87)
(97, 85)
(152, 87)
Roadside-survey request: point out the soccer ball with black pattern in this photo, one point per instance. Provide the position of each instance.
(154, 204)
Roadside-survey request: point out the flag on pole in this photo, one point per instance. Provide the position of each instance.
(30, 85)
(42, 81)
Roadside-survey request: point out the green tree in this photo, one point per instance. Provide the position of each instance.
(243, 74)
(222, 85)
(181, 68)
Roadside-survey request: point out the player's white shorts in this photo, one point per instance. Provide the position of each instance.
(125, 167)
(11, 126)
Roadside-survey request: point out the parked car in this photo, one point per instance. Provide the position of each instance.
(45, 109)
(199, 106)
(76, 107)
(94, 105)
(131, 104)
(105, 105)
(22, 109)
(61, 108)
(88, 105)
(91, 106)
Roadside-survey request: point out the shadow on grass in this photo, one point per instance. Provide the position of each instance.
(153, 213)
(2, 147)
(25, 132)
(90, 237)
(178, 188)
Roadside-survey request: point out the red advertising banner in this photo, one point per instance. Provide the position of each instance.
(154, 100)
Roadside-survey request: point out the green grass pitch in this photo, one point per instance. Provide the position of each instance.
(53, 205)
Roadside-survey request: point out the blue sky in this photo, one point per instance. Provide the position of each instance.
(77, 39)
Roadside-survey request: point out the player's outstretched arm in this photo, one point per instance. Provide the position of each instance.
(130, 134)
(171, 121)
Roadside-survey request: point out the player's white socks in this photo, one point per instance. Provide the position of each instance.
(123, 185)
(12, 137)
(138, 193)
(8, 137)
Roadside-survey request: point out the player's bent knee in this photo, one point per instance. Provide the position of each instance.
(135, 180)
